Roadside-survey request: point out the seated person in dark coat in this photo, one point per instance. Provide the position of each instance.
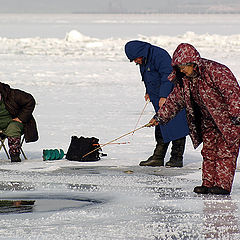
(16, 119)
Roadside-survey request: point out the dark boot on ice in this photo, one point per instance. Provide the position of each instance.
(157, 159)
(201, 190)
(15, 158)
(178, 147)
(152, 163)
(218, 191)
(14, 144)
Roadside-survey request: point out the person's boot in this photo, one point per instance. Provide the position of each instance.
(157, 159)
(201, 189)
(14, 144)
(218, 191)
(178, 147)
(15, 157)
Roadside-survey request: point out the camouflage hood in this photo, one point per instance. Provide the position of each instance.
(185, 53)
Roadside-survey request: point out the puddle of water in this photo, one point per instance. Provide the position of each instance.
(40, 204)
(47, 205)
(16, 206)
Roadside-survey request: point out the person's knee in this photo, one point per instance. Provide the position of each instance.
(14, 129)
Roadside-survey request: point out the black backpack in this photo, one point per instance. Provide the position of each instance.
(81, 146)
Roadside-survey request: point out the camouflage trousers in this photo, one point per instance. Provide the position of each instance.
(219, 160)
(13, 131)
(14, 144)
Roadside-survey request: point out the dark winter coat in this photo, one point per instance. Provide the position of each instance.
(20, 105)
(218, 89)
(154, 71)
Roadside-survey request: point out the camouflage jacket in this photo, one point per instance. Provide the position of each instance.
(218, 89)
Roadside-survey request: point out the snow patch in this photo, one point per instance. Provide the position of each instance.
(76, 36)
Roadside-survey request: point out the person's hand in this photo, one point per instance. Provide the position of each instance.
(17, 120)
(153, 122)
(161, 102)
(147, 98)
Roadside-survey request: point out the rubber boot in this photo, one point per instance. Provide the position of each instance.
(178, 147)
(201, 190)
(14, 144)
(157, 159)
(218, 191)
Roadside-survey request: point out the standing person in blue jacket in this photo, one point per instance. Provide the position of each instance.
(155, 66)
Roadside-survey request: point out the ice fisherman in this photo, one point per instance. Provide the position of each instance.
(16, 108)
(211, 95)
(155, 66)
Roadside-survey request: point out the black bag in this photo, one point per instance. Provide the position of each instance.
(81, 146)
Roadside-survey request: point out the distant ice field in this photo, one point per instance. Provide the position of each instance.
(116, 25)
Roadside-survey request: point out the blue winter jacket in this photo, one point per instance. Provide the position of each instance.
(154, 71)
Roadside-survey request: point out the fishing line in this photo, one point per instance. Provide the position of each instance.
(140, 116)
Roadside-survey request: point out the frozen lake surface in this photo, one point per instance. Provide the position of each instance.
(75, 67)
(116, 203)
(116, 25)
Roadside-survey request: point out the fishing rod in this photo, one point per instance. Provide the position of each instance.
(148, 100)
(146, 125)
(118, 143)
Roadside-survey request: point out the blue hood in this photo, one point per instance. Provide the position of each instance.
(135, 49)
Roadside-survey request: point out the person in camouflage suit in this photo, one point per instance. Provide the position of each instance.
(210, 93)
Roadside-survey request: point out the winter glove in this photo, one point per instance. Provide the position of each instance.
(236, 120)
(157, 118)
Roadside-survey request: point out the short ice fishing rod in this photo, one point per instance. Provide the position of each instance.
(146, 125)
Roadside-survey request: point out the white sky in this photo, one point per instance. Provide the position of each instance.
(76, 6)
